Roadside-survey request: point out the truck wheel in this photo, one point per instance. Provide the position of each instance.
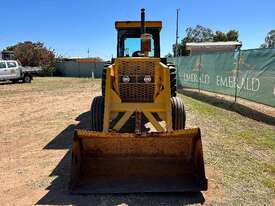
(97, 114)
(27, 79)
(178, 114)
(173, 79)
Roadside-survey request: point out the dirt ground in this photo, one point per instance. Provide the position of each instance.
(37, 121)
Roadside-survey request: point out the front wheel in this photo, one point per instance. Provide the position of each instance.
(97, 114)
(173, 79)
(178, 114)
(27, 79)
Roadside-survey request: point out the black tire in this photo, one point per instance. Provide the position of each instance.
(103, 81)
(27, 78)
(97, 114)
(172, 70)
(178, 114)
(173, 91)
(173, 75)
(174, 83)
(173, 79)
(170, 64)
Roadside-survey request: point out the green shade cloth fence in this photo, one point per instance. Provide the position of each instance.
(249, 74)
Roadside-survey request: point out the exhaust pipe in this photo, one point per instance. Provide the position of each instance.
(145, 38)
(142, 21)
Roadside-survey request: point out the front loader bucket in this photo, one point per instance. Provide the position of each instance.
(130, 163)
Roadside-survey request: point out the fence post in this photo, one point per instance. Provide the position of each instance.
(237, 75)
(177, 72)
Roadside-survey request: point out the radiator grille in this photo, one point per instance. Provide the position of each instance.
(136, 90)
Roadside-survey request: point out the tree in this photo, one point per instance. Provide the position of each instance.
(269, 40)
(203, 34)
(198, 34)
(34, 54)
(180, 49)
(219, 36)
(99, 59)
(169, 55)
(232, 35)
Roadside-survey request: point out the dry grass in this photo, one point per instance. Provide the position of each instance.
(241, 151)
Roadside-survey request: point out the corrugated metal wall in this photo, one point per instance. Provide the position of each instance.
(80, 69)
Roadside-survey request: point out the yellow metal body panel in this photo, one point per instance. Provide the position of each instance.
(161, 103)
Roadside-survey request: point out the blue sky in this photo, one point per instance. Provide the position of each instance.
(71, 27)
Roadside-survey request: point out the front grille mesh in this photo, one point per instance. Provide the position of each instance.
(136, 91)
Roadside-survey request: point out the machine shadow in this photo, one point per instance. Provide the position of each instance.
(58, 193)
(231, 106)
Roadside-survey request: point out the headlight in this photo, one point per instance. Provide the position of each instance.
(125, 79)
(147, 79)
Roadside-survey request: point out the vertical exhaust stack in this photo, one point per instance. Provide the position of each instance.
(142, 20)
(145, 38)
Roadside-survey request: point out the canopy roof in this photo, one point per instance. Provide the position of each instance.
(137, 24)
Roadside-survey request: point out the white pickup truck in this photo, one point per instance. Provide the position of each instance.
(13, 71)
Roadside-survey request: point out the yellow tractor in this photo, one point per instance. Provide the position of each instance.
(138, 141)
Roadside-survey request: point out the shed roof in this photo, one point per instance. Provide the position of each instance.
(214, 44)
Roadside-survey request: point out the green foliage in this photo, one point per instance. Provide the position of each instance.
(219, 36)
(203, 34)
(269, 40)
(232, 35)
(34, 54)
(169, 55)
(198, 34)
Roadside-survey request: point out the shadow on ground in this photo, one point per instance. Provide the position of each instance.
(58, 193)
(231, 106)
(10, 83)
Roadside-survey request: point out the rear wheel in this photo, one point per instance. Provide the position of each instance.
(27, 79)
(178, 113)
(103, 81)
(97, 114)
(103, 78)
(173, 79)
